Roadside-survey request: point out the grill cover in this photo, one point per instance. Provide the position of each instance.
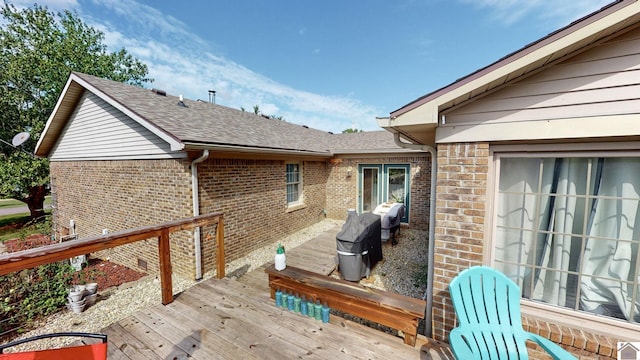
(391, 215)
(359, 246)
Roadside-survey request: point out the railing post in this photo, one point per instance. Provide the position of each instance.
(164, 255)
(220, 251)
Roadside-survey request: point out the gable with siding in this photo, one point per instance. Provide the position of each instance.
(98, 131)
(593, 94)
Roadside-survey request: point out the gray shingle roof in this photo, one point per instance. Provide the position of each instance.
(210, 124)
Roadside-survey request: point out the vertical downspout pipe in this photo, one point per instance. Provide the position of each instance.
(428, 295)
(196, 210)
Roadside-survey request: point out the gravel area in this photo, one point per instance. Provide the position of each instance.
(397, 273)
(404, 268)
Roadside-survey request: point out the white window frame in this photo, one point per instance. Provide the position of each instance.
(300, 200)
(554, 314)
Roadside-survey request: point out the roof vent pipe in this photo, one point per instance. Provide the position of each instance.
(181, 101)
(212, 96)
(196, 211)
(428, 295)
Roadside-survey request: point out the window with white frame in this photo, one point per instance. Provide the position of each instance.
(294, 183)
(567, 230)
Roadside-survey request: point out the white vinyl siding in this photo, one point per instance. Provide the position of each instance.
(601, 83)
(97, 130)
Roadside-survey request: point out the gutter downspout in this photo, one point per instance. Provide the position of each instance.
(428, 295)
(196, 210)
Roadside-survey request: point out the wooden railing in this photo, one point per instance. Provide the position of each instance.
(62, 251)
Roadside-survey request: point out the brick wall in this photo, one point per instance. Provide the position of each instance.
(125, 194)
(459, 240)
(252, 196)
(460, 210)
(119, 195)
(342, 190)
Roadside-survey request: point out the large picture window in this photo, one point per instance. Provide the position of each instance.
(294, 184)
(567, 230)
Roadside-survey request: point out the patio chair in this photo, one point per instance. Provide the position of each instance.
(487, 306)
(97, 351)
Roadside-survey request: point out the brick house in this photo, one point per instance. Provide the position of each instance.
(538, 176)
(123, 157)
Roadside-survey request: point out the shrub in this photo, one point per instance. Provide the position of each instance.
(32, 294)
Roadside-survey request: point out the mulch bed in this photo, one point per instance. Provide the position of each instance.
(30, 242)
(106, 273)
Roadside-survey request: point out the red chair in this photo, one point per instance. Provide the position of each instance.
(97, 351)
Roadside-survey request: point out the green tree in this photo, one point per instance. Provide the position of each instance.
(256, 110)
(350, 130)
(38, 51)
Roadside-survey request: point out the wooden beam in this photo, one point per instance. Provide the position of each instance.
(220, 273)
(164, 254)
(26, 259)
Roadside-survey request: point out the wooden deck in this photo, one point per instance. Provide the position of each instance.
(237, 319)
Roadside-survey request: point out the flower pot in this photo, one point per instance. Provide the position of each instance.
(76, 295)
(92, 288)
(77, 306)
(74, 288)
(90, 299)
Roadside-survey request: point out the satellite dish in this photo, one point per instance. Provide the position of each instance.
(20, 138)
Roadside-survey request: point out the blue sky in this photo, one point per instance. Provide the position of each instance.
(329, 64)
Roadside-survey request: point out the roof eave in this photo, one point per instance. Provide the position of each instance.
(189, 145)
(427, 108)
(50, 132)
(373, 151)
(61, 112)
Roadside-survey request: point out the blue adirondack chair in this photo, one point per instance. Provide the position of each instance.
(487, 305)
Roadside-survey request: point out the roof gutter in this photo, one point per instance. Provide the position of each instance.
(428, 295)
(189, 145)
(196, 210)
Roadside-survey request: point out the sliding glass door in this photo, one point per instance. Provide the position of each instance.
(370, 190)
(379, 183)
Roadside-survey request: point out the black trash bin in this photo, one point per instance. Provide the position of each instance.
(359, 246)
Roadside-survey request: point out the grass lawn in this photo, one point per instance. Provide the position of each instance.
(9, 203)
(12, 226)
(18, 225)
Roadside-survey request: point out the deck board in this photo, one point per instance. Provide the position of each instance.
(250, 334)
(304, 329)
(237, 319)
(317, 255)
(121, 342)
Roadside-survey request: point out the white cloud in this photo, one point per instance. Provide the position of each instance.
(558, 12)
(55, 5)
(182, 63)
